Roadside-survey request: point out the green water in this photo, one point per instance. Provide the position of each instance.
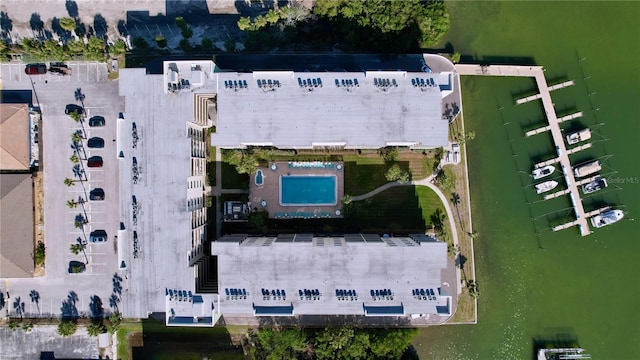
(553, 284)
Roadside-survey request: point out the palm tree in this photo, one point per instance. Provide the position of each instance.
(76, 143)
(19, 307)
(79, 246)
(474, 235)
(74, 159)
(72, 204)
(68, 24)
(35, 298)
(78, 118)
(69, 182)
(455, 200)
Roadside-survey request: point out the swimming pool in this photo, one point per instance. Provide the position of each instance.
(297, 190)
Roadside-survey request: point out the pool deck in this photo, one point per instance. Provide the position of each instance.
(270, 189)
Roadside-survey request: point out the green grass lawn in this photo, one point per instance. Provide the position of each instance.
(399, 209)
(125, 329)
(363, 174)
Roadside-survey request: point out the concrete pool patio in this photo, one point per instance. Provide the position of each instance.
(267, 196)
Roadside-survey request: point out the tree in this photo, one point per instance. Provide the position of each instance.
(390, 343)
(74, 158)
(207, 44)
(161, 41)
(39, 253)
(281, 344)
(139, 43)
(230, 45)
(35, 298)
(473, 289)
(248, 164)
(184, 45)
(68, 24)
(69, 182)
(67, 327)
(346, 199)
(180, 22)
(76, 248)
(13, 325)
(96, 328)
(186, 33)
(389, 153)
(76, 47)
(114, 322)
(455, 57)
(26, 327)
(396, 174)
(118, 48)
(245, 23)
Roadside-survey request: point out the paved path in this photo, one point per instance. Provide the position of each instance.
(544, 89)
(428, 183)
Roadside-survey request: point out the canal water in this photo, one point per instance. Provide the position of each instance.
(535, 284)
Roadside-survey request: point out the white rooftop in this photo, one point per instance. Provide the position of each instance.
(365, 115)
(328, 264)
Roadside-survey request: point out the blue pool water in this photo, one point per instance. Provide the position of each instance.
(308, 190)
(259, 178)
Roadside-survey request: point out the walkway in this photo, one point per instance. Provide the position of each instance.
(428, 183)
(544, 89)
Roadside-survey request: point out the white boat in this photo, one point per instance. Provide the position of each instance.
(606, 218)
(587, 169)
(578, 136)
(541, 172)
(595, 185)
(543, 187)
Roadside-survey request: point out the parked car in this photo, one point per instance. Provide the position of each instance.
(96, 121)
(94, 161)
(73, 108)
(98, 236)
(76, 267)
(95, 142)
(96, 194)
(35, 69)
(59, 68)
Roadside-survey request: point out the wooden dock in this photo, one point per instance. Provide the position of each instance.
(540, 95)
(557, 159)
(567, 191)
(548, 127)
(544, 90)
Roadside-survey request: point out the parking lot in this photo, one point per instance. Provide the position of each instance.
(89, 88)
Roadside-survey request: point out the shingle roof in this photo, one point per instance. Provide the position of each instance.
(16, 225)
(14, 137)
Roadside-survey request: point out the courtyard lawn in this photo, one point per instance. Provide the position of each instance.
(364, 174)
(124, 334)
(402, 209)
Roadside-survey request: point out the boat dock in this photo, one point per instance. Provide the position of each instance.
(567, 191)
(557, 159)
(540, 95)
(577, 222)
(548, 127)
(544, 94)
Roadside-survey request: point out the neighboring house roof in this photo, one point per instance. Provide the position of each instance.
(16, 225)
(14, 137)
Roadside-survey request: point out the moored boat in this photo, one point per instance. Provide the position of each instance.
(578, 136)
(607, 218)
(543, 187)
(595, 185)
(539, 173)
(587, 169)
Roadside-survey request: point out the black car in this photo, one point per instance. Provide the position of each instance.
(95, 142)
(98, 236)
(96, 121)
(96, 194)
(76, 267)
(73, 108)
